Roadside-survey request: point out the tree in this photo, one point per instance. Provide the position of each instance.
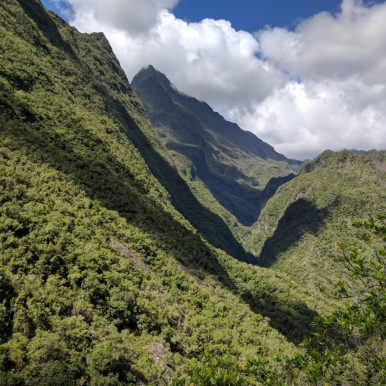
(348, 345)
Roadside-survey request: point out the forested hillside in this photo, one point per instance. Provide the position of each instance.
(300, 227)
(105, 279)
(102, 280)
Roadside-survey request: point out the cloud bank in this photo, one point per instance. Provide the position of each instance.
(320, 86)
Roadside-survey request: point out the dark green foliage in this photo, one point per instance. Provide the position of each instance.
(6, 315)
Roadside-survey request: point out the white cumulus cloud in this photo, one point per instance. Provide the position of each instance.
(320, 86)
(352, 43)
(303, 118)
(132, 16)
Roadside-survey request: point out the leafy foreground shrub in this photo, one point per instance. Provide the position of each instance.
(348, 346)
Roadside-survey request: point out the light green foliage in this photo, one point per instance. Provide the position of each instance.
(348, 346)
(102, 280)
(301, 225)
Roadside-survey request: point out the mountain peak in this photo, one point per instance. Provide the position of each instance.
(150, 73)
(161, 99)
(150, 69)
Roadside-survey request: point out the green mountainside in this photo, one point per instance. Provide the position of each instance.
(116, 268)
(300, 226)
(103, 281)
(226, 166)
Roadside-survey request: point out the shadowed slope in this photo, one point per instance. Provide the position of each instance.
(210, 225)
(300, 226)
(300, 217)
(233, 164)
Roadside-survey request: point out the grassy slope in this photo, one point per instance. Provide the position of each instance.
(301, 225)
(102, 280)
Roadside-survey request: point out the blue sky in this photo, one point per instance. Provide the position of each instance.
(247, 15)
(252, 15)
(61, 7)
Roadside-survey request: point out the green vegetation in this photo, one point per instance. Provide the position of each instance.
(348, 346)
(102, 279)
(301, 225)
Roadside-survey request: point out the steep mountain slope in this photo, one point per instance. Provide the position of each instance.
(225, 165)
(300, 226)
(102, 280)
